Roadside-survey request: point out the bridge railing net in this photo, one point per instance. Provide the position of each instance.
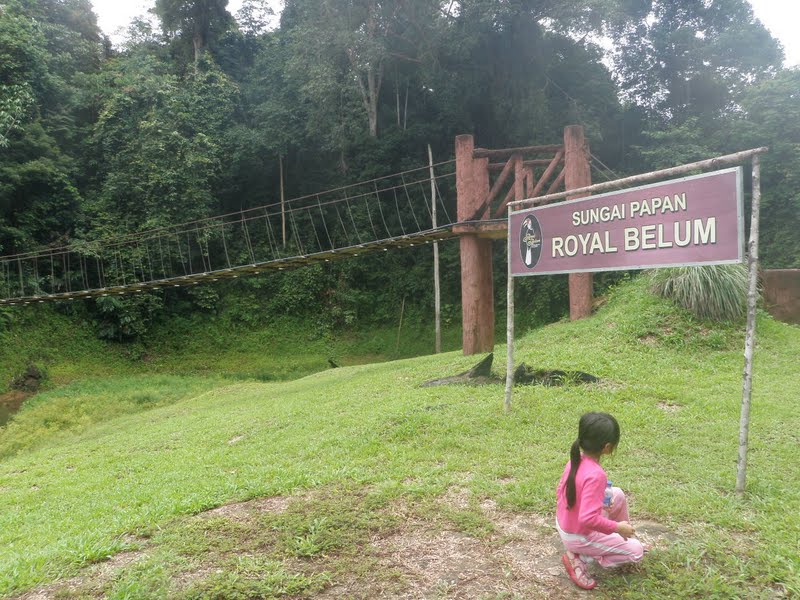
(346, 220)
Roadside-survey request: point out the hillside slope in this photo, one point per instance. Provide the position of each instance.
(372, 433)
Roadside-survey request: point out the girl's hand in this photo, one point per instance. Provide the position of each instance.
(625, 529)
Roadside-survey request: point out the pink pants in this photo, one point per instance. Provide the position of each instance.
(608, 549)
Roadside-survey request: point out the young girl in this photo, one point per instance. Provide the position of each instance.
(589, 530)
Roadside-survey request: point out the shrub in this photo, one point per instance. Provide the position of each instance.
(715, 292)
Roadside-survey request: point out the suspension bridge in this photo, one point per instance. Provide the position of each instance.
(401, 210)
(389, 212)
(465, 198)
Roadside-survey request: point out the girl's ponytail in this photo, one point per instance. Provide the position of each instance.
(574, 460)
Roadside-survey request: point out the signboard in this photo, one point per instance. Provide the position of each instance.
(693, 220)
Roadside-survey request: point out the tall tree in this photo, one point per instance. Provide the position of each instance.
(345, 48)
(693, 57)
(770, 117)
(158, 144)
(46, 50)
(195, 21)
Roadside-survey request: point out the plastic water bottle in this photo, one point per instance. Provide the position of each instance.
(608, 496)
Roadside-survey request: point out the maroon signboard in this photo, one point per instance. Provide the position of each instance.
(689, 221)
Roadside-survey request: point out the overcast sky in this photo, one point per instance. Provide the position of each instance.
(781, 17)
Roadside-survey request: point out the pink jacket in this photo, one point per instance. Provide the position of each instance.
(586, 515)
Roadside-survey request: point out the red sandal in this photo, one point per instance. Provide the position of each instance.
(576, 569)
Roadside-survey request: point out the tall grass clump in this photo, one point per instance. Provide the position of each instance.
(714, 292)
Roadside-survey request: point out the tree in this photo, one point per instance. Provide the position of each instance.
(693, 58)
(770, 117)
(46, 48)
(197, 21)
(158, 144)
(345, 49)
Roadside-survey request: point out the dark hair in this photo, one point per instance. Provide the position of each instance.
(595, 430)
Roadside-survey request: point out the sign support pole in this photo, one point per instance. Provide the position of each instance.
(750, 335)
(519, 192)
(509, 328)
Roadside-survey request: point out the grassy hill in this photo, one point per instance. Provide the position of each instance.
(340, 483)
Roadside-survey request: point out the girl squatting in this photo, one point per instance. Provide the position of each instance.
(589, 530)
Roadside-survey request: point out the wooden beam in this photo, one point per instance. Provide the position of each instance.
(750, 331)
(483, 229)
(536, 162)
(517, 190)
(617, 184)
(530, 181)
(557, 181)
(508, 152)
(519, 178)
(548, 172)
(499, 182)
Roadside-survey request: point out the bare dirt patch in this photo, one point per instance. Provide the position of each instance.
(89, 583)
(10, 402)
(244, 511)
(649, 340)
(520, 559)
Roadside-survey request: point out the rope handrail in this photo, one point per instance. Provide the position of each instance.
(117, 240)
(356, 216)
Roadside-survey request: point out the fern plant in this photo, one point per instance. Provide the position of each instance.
(714, 292)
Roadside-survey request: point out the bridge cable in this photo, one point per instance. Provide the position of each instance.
(369, 216)
(314, 227)
(248, 241)
(355, 227)
(341, 222)
(410, 205)
(397, 206)
(324, 223)
(380, 209)
(296, 233)
(270, 236)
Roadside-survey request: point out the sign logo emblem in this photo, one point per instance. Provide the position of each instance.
(530, 241)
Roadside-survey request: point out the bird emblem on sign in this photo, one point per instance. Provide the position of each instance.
(530, 241)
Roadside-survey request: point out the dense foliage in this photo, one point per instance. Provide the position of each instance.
(198, 112)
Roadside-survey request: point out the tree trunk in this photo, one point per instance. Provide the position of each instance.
(370, 92)
(374, 82)
(198, 41)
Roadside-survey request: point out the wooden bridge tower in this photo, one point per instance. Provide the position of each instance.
(479, 222)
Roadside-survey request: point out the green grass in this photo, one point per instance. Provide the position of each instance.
(356, 441)
(67, 349)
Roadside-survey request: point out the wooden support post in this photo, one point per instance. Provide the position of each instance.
(529, 182)
(477, 297)
(578, 174)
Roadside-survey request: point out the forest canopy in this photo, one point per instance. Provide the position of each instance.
(201, 113)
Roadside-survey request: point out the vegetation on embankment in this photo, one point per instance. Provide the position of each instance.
(66, 346)
(352, 443)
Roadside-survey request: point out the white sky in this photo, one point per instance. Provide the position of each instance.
(781, 17)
